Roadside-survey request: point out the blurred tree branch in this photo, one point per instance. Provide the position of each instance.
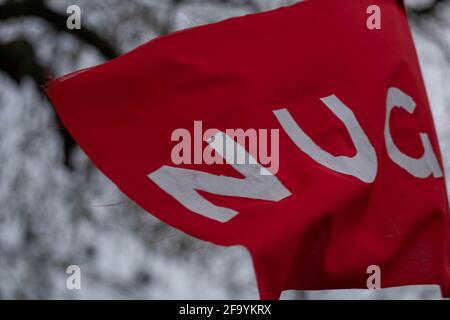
(37, 8)
(19, 59)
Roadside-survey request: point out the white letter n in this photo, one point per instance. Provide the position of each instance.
(182, 184)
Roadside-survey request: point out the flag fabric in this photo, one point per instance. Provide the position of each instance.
(360, 178)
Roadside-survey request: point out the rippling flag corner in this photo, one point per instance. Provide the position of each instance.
(360, 180)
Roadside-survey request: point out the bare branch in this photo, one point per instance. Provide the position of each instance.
(33, 8)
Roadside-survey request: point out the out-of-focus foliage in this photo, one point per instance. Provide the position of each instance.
(58, 210)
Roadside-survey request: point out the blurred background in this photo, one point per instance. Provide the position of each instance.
(57, 209)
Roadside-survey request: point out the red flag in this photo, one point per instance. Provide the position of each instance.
(359, 181)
